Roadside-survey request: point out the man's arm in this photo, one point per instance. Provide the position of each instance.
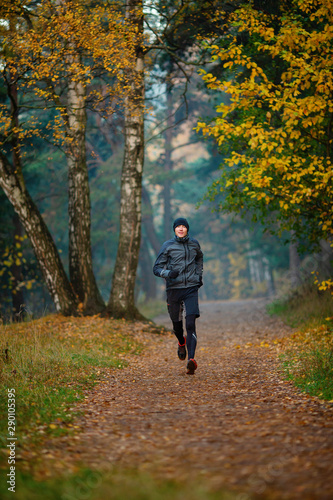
(161, 262)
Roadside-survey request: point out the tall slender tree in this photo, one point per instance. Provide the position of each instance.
(80, 257)
(121, 302)
(168, 165)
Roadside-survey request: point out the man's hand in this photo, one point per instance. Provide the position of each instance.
(173, 274)
(200, 282)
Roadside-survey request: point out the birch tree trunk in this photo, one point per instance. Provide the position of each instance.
(41, 240)
(121, 303)
(80, 257)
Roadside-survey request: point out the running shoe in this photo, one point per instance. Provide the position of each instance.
(191, 366)
(182, 351)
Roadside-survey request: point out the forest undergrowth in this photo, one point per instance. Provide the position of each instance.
(307, 357)
(48, 363)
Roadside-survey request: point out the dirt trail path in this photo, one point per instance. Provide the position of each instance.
(235, 423)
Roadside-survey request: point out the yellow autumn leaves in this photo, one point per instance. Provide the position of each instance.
(275, 124)
(48, 45)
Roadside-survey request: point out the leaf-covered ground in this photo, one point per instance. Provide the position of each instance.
(237, 423)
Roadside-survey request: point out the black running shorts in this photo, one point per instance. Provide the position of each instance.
(180, 299)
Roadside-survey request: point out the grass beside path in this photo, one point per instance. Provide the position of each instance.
(116, 485)
(307, 357)
(49, 363)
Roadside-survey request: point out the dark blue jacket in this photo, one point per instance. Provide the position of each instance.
(183, 255)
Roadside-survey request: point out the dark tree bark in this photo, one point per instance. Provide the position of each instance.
(148, 280)
(326, 259)
(80, 257)
(41, 240)
(294, 264)
(168, 166)
(121, 303)
(148, 221)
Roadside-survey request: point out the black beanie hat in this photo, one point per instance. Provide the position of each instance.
(181, 222)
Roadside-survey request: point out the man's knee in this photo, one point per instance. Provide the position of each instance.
(190, 323)
(177, 327)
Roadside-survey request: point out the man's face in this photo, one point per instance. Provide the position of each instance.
(181, 231)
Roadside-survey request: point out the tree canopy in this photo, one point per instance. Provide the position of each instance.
(82, 81)
(274, 124)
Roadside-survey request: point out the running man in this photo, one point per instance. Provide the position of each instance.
(180, 262)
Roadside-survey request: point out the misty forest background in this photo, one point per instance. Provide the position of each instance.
(242, 259)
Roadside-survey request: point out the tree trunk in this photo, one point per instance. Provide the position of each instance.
(148, 280)
(167, 220)
(269, 278)
(148, 221)
(121, 303)
(41, 240)
(294, 265)
(326, 259)
(80, 258)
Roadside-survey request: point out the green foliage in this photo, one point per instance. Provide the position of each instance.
(278, 308)
(311, 371)
(116, 484)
